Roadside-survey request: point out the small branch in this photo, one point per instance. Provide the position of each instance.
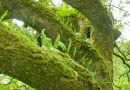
(110, 5)
(122, 59)
(123, 63)
(125, 74)
(117, 86)
(120, 51)
(120, 9)
(128, 77)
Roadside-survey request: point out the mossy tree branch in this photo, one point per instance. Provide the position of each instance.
(38, 16)
(41, 69)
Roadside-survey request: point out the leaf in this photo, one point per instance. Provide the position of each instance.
(56, 43)
(8, 20)
(83, 59)
(3, 16)
(74, 52)
(125, 15)
(88, 64)
(62, 46)
(70, 42)
(67, 22)
(94, 73)
(43, 1)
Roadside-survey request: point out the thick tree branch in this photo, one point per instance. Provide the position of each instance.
(38, 16)
(43, 70)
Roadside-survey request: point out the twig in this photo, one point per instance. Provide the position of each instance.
(128, 77)
(120, 51)
(122, 59)
(110, 5)
(120, 9)
(117, 86)
(126, 74)
(123, 63)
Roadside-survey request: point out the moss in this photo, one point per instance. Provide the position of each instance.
(25, 61)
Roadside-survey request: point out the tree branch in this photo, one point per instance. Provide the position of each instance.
(120, 9)
(124, 64)
(43, 70)
(122, 59)
(38, 16)
(117, 86)
(120, 51)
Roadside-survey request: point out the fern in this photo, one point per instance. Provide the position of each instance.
(56, 43)
(3, 16)
(69, 46)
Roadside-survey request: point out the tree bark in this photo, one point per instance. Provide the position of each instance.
(41, 69)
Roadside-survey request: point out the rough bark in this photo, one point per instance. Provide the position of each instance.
(41, 69)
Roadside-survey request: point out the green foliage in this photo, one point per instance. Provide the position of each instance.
(3, 16)
(69, 46)
(125, 15)
(8, 83)
(62, 45)
(104, 1)
(74, 52)
(28, 32)
(45, 1)
(75, 34)
(56, 43)
(89, 63)
(65, 10)
(121, 80)
(46, 42)
(84, 59)
(94, 73)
